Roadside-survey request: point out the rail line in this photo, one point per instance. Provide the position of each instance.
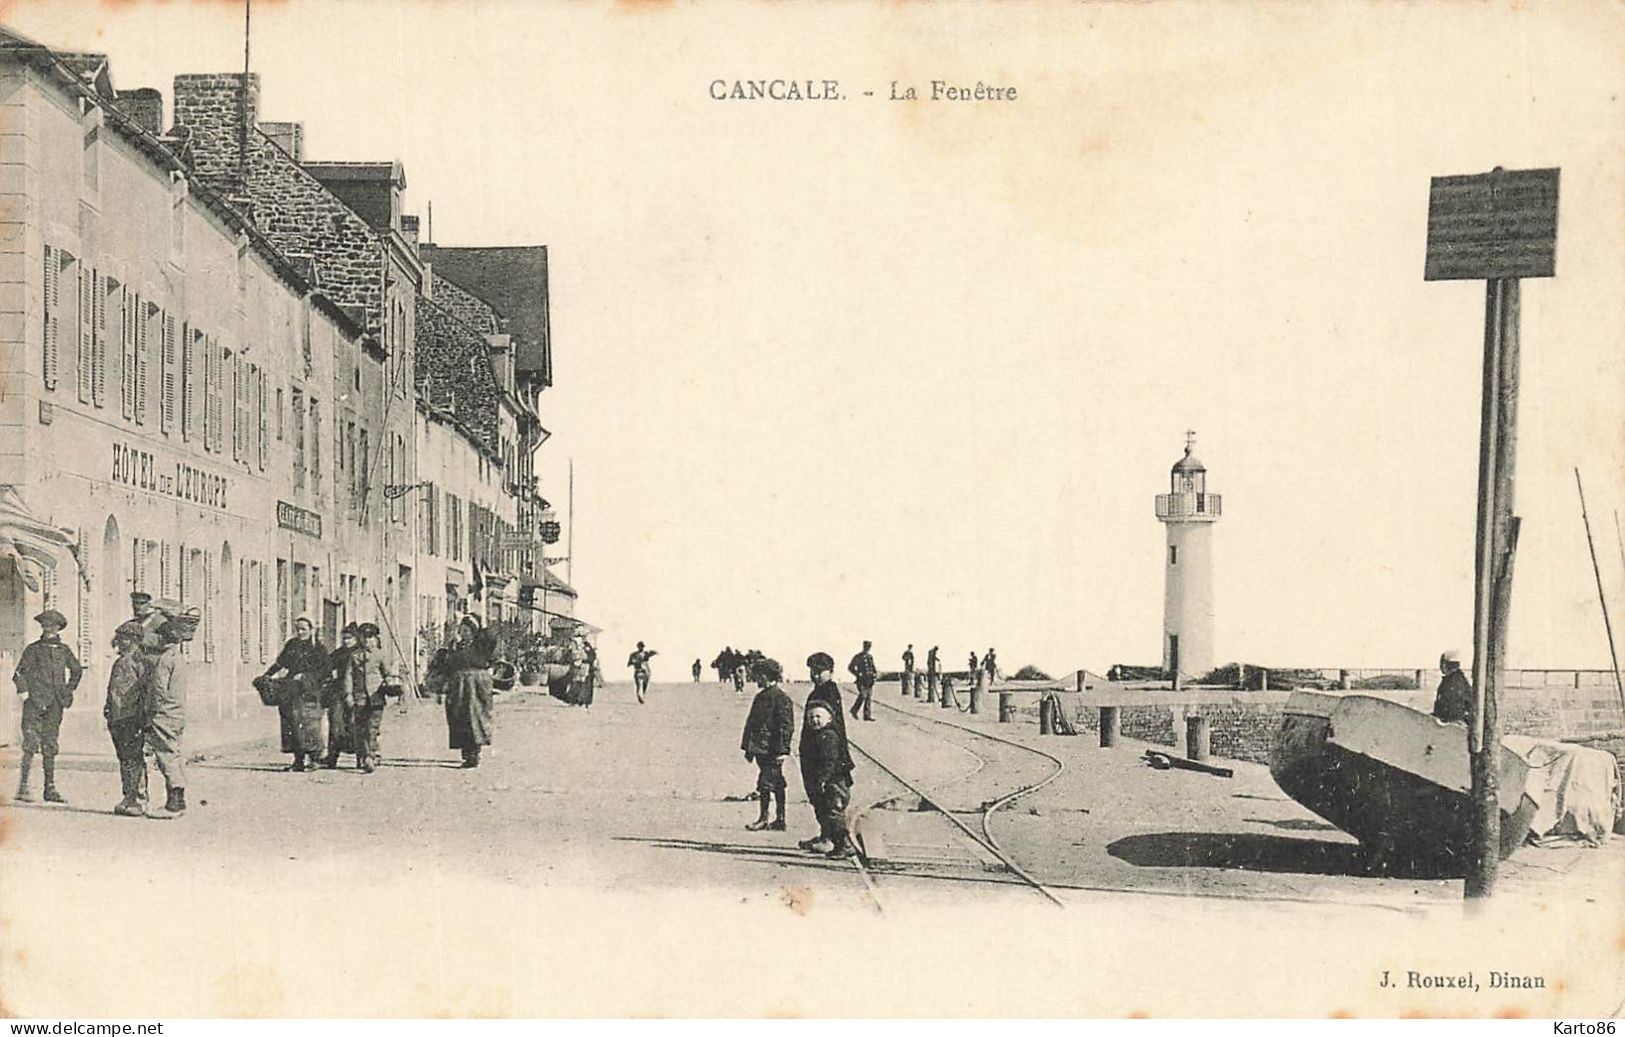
(986, 840)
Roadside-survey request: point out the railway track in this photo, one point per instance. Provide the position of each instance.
(931, 797)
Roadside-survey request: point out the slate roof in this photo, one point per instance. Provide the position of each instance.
(513, 280)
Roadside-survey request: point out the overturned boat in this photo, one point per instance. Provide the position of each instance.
(1395, 778)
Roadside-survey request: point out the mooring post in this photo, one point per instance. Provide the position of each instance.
(1196, 738)
(1046, 715)
(977, 690)
(1263, 679)
(1007, 707)
(946, 699)
(930, 688)
(1108, 726)
(1343, 680)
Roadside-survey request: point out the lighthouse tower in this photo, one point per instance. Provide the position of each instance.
(1189, 512)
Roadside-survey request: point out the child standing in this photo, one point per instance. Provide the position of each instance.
(766, 741)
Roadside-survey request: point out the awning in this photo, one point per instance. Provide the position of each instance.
(24, 538)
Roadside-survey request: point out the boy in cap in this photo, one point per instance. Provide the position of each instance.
(826, 770)
(639, 661)
(766, 741)
(339, 722)
(826, 694)
(125, 713)
(367, 674)
(46, 677)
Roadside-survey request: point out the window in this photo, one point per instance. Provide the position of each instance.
(265, 613)
(1173, 554)
(169, 362)
(298, 433)
(299, 604)
(50, 341)
(364, 473)
(279, 414)
(146, 331)
(315, 447)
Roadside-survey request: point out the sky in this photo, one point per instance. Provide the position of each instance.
(914, 371)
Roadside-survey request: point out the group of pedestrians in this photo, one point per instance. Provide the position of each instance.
(145, 708)
(347, 687)
(826, 759)
(731, 666)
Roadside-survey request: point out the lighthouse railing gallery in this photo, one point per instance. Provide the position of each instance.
(1188, 505)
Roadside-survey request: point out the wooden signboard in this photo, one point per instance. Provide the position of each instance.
(1492, 225)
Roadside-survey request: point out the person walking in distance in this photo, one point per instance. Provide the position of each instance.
(165, 703)
(974, 665)
(696, 670)
(862, 669)
(826, 694)
(908, 669)
(828, 778)
(933, 674)
(1455, 699)
(46, 677)
(766, 741)
(639, 661)
(125, 713)
(991, 665)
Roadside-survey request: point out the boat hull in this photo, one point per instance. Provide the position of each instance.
(1392, 777)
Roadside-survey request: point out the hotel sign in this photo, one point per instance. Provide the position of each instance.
(292, 516)
(144, 470)
(1492, 225)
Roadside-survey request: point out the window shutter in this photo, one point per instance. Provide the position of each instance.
(87, 324)
(259, 393)
(188, 382)
(219, 387)
(167, 363)
(53, 306)
(85, 645)
(265, 613)
(236, 411)
(316, 448)
(143, 387)
(126, 336)
(242, 610)
(207, 600)
(98, 356)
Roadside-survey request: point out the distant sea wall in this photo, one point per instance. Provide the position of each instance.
(1560, 704)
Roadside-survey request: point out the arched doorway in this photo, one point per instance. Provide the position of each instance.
(114, 606)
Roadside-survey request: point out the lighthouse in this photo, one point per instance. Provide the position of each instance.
(1188, 512)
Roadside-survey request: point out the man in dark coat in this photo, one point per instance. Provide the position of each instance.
(303, 667)
(1455, 700)
(339, 735)
(826, 693)
(862, 669)
(908, 671)
(933, 674)
(766, 741)
(696, 670)
(46, 677)
(144, 621)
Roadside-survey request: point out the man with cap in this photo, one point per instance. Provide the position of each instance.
(639, 661)
(1454, 702)
(165, 705)
(908, 670)
(933, 674)
(46, 677)
(144, 621)
(766, 741)
(826, 695)
(340, 737)
(862, 669)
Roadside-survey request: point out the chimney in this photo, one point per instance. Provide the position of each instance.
(409, 231)
(289, 136)
(216, 108)
(145, 106)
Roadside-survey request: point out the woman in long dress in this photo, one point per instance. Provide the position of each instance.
(468, 690)
(302, 666)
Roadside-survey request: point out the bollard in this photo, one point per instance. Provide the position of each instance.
(1080, 682)
(917, 682)
(1108, 726)
(1007, 707)
(1046, 715)
(977, 690)
(1419, 678)
(931, 687)
(1343, 680)
(904, 680)
(946, 699)
(1196, 738)
(1263, 679)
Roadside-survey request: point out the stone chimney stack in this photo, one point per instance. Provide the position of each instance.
(409, 231)
(289, 136)
(145, 106)
(216, 108)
